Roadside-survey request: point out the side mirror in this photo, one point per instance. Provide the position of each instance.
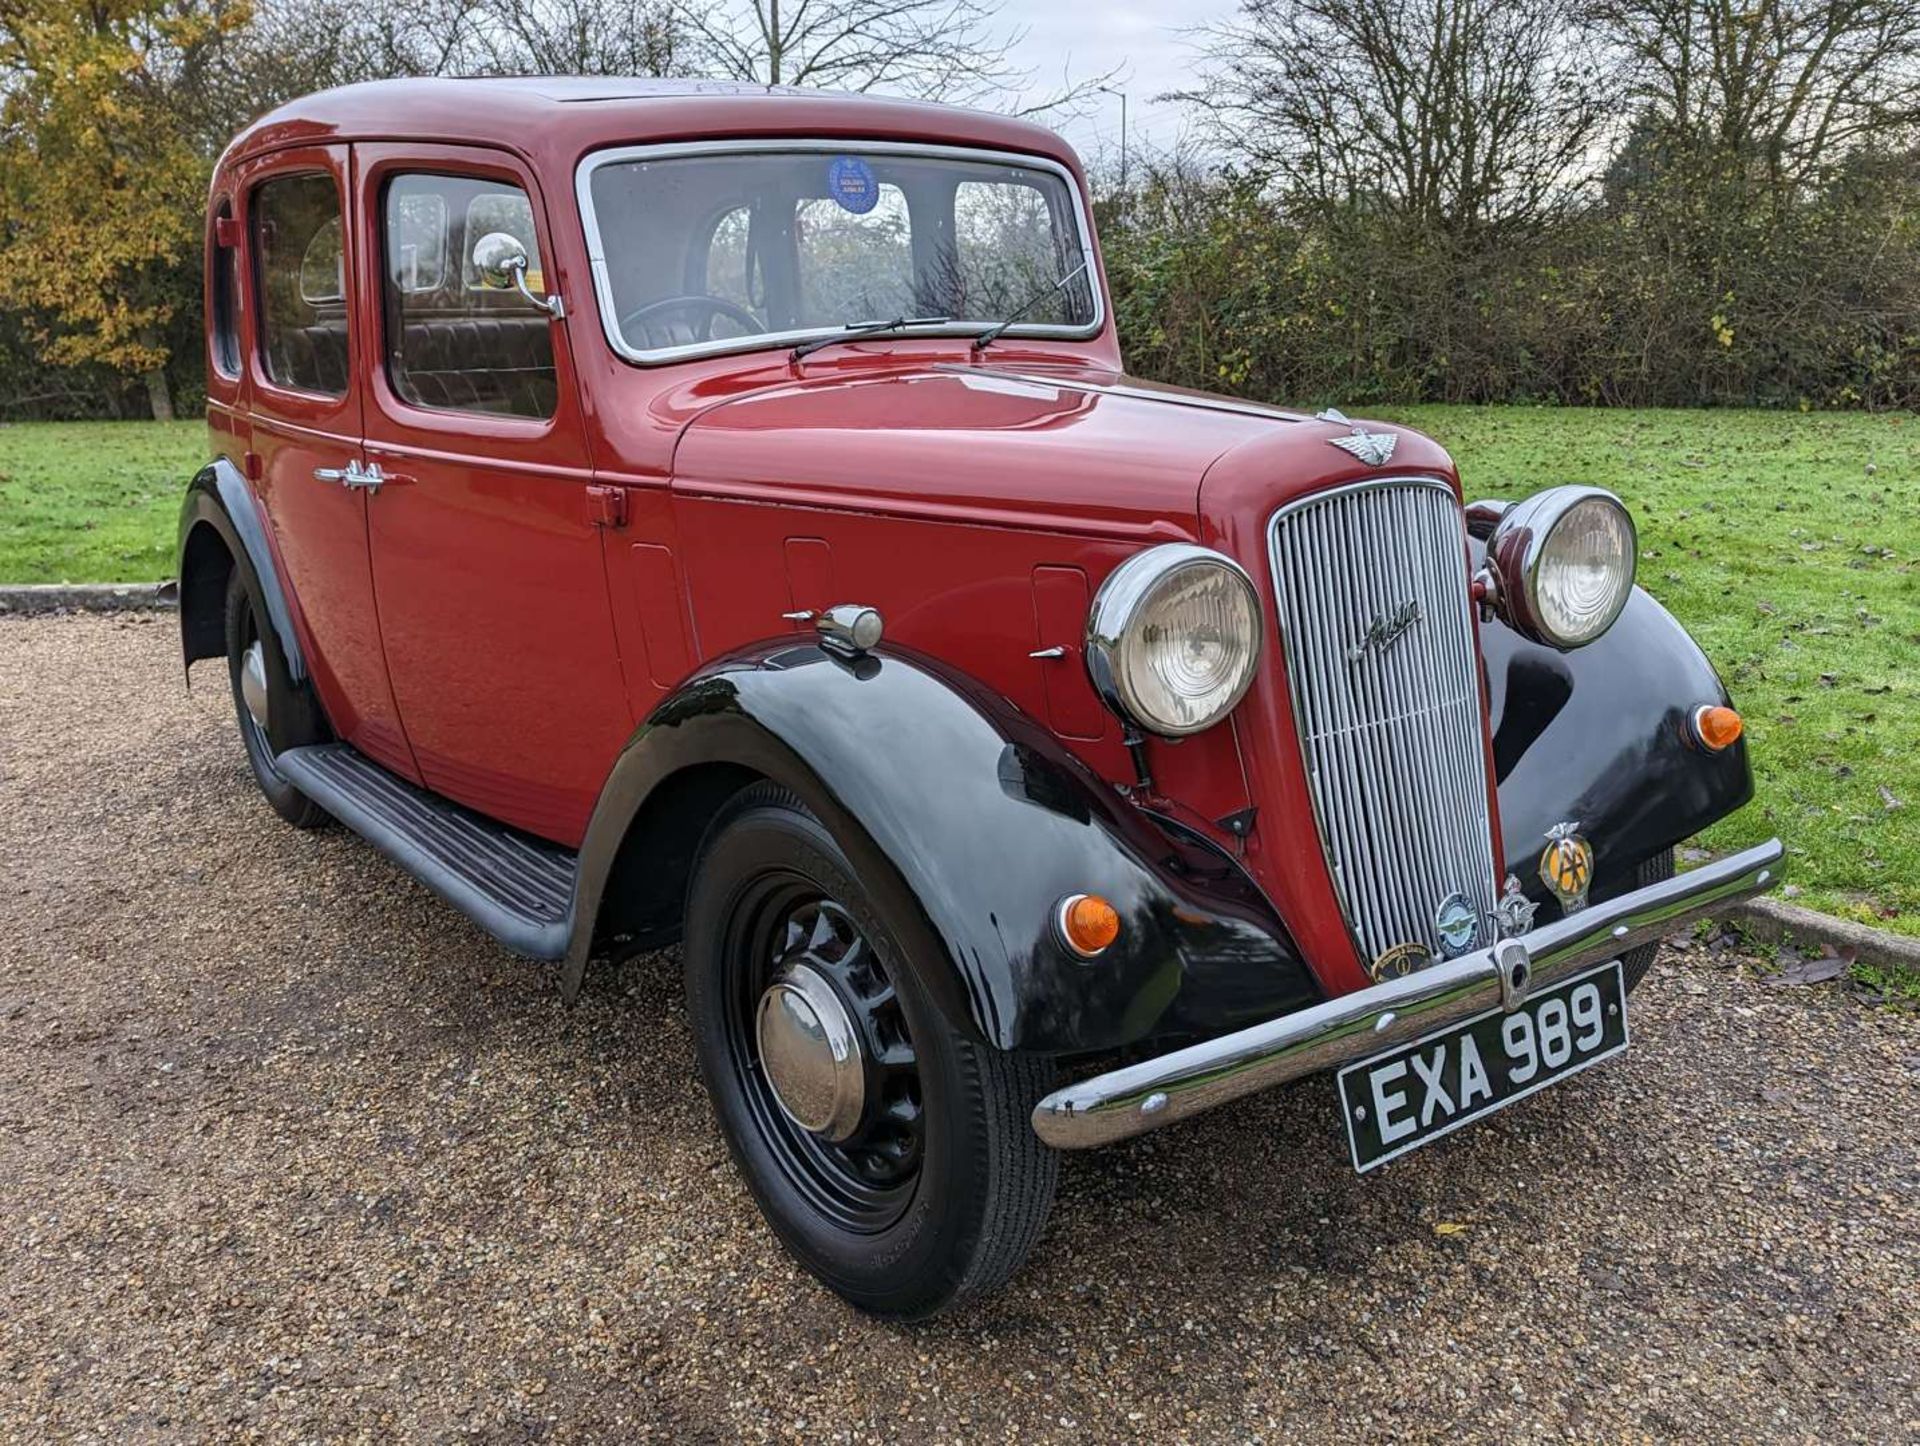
(500, 260)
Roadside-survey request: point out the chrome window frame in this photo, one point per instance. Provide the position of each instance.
(776, 145)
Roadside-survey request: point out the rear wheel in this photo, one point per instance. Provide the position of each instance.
(892, 1154)
(1635, 963)
(250, 664)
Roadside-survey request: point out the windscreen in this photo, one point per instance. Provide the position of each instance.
(735, 248)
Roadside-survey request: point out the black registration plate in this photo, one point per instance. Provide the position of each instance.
(1400, 1100)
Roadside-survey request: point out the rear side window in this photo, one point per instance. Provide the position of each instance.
(223, 280)
(453, 342)
(301, 264)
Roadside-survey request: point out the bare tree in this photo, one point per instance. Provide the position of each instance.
(583, 37)
(1787, 86)
(293, 47)
(935, 49)
(945, 49)
(1461, 115)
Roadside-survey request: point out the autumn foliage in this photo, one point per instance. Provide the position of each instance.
(102, 190)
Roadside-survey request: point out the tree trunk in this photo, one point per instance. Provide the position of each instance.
(159, 395)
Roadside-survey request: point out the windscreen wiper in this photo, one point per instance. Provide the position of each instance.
(853, 330)
(993, 333)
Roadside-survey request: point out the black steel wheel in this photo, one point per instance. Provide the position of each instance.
(253, 670)
(864, 1178)
(891, 1153)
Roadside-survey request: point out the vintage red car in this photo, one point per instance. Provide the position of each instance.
(668, 511)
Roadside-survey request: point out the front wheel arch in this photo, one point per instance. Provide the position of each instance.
(633, 883)
(973, 821)
(643, 903)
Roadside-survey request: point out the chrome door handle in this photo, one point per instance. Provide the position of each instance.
(367, 479)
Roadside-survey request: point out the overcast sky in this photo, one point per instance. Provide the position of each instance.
(1086, 37)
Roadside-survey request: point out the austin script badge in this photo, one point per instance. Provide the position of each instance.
(1385, 629)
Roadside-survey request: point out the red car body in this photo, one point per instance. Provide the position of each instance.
(527, 606)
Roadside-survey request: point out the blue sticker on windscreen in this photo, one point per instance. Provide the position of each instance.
(850, 181)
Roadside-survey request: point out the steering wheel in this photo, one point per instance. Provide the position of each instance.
(656, 324)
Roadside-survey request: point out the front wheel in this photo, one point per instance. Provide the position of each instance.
(892, 1154)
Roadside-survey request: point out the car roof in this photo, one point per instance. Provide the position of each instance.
(555, 119)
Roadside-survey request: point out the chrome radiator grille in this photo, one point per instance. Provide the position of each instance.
(1378, 637)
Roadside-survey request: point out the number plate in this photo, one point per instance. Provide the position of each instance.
(1399, 1101)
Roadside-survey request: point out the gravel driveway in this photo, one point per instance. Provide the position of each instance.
(288, 1150)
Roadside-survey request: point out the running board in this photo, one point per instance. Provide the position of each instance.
(519, 889)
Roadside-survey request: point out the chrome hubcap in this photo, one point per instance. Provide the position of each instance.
(825, 1062)
(253, 683)
(811, 1053)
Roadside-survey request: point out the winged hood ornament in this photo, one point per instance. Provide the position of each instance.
(1373, 448)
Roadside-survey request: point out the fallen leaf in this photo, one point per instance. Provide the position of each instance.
(1450, 1227)
(1810, 971)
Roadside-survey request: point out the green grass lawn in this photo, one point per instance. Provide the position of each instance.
(93, 501)
(1788, 544)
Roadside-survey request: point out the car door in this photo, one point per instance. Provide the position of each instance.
(305, 451)
(486, 541)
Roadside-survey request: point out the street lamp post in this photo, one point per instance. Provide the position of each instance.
(1110, 90)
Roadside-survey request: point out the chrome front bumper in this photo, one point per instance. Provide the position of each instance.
(1145, 1096)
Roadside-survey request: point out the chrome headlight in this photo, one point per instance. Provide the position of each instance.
(1563, 561)
(1174, 638)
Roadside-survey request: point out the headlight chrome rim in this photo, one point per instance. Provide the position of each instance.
(1119, 605)
(1518, 546)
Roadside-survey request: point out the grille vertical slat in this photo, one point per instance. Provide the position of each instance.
(1391, 739)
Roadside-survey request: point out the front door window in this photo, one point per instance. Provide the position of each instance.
(453, 342)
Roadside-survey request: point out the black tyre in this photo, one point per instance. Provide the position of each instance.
(1635, 963)
(903, 1172)
(250, 665)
